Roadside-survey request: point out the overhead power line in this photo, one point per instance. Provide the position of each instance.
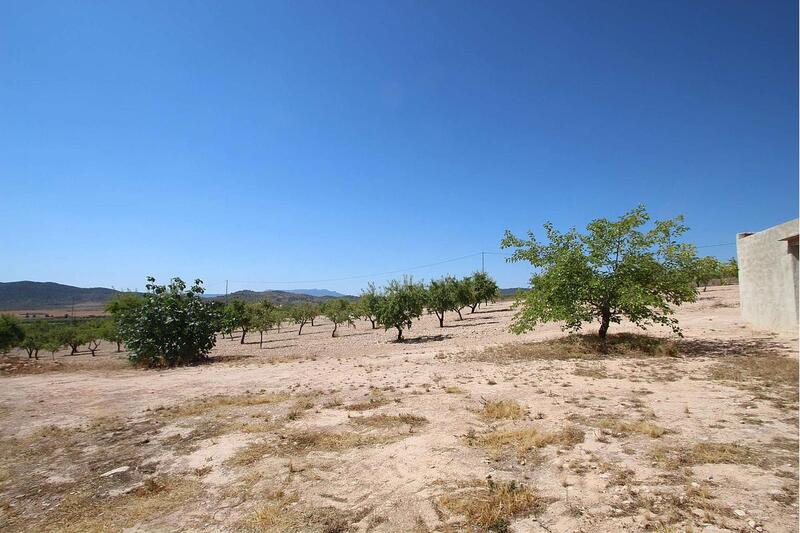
(376, 274)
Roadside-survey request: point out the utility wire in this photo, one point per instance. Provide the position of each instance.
(364, 275)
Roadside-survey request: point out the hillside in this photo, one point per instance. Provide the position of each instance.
(277, 297)
(34, 295)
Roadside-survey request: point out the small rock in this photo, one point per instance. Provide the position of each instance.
(118, 470)
(739, 513)
(751, 523)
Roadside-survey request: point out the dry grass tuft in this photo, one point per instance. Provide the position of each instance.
(303, 442)
(389, 421)
(200, 407)
(373, 403)
(620, 427)
(491, 506)
(502, 409)
(283, 513)
(525, 441)
(706, 453)
(770, 376)
(83, 511)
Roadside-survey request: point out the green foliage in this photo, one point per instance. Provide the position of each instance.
(705, 269)
(36, 334)
(11, 332)
(612, 271)
(729, 270)
(173, 326)
(402, 302)
(265, 317)
(73, 334)
(238, 315)
(123, 303)
(339, 311)
(302, 314)
(369, 303)
(463, 295)
(442, 296)
(481, 289)
(118, 307)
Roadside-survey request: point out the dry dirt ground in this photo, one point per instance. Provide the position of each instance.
(465, 428)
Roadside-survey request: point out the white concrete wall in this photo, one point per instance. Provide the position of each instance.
(768, 277)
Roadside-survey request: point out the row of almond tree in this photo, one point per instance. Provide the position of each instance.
(395, 306)
(172, 325)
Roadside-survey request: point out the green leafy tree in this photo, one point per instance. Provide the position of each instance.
(117, 307)
(239, 315)
(302, 314)
(314, 312)
(706, 269)
(36, 334)
(369, 303)
(462, 295)
(339, 311)
(52, 343)
(73, 335)
(173, 326)
(94, 332)
(441, 297)
(615, 270)
(482, 289)
(402, 303)
(265, 317)
(11, 332)
(729, 271)
(109, 330)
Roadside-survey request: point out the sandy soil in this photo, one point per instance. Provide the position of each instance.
(359, 433)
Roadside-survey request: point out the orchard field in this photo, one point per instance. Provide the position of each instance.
(465, 427)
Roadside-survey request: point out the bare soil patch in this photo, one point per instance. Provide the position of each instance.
(463, 428)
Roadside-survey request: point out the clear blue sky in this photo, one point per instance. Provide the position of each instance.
(281, 141)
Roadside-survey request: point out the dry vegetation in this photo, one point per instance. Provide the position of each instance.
(361, 434)
(490, 506)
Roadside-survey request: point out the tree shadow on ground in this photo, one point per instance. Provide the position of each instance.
(728, 347)
(458, 325)
(424, 338)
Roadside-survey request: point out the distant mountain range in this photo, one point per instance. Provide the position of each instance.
(317, 292)
(36, 295)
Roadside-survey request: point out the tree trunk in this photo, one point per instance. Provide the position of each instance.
(312, 322)
(119, 346)
(74, 348)
(473, 307)
(605, 321)
(301, 328)
(261, 340)
(372, 321)
(244, 332)
(335, 325)
(399, 333)
(36, 354)
(459, 314)
(441, 319)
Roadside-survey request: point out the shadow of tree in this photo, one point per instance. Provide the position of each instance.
(728, 347)
(424, 338)
(457, 325)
